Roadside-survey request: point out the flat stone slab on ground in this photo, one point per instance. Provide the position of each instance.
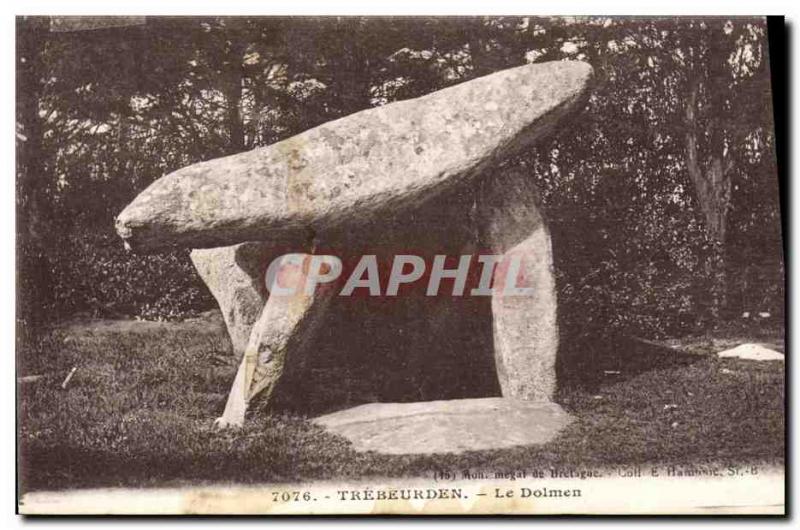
(451, 426)
(752, 352)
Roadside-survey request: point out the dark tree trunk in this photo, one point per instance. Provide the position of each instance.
(234, 80)
(352, 80)
(710, 172)
(33, 265)
(32, 34)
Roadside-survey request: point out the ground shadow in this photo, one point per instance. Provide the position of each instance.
(590, 361)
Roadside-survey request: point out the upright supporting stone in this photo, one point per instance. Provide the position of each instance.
(286, 324)
(525, 327)
(234, 276)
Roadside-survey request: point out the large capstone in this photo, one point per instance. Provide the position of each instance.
(371, 163)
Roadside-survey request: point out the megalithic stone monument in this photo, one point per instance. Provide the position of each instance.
(425, 173)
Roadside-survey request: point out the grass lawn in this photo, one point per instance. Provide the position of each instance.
(139, 411)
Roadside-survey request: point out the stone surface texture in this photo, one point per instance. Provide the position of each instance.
(452, 426)
(377, 160)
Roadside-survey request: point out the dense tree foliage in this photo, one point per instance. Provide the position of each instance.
(662, 194)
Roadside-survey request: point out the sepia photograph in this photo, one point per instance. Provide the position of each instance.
(400, 265)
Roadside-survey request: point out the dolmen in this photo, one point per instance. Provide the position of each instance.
(411, 207)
